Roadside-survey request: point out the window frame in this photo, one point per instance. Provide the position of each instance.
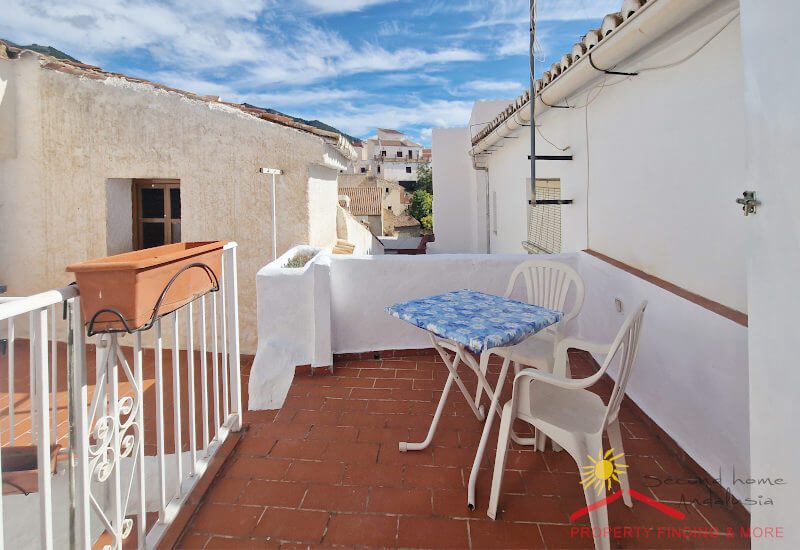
(138, 221)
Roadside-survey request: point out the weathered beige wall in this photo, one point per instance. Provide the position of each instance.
(74, 133)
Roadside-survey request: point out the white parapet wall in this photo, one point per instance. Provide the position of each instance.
(356, 233)
(291, 303)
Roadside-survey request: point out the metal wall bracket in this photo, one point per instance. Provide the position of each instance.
(749, 202)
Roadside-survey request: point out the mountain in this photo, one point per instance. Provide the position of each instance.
(58, 54)
(44, 50)
(315, 123)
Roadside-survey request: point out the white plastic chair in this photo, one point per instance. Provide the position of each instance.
(547, 284)
(573, 416)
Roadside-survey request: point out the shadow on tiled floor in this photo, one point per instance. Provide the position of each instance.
(326, 471)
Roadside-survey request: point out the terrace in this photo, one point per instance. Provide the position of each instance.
(324, 467)
(326, 470)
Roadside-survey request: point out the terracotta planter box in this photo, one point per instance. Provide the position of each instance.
(132, 283)
(20, 471)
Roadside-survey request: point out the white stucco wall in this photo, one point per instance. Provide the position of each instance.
(658, 161)
(322, 193)
(692, 365)
(454, 189)
(773, 131)
(75, 133)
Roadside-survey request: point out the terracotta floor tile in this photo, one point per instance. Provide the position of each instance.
(362, 530)
(389, 500)
(371, 393)
(255, 446)
(394, 383)
(336, 498)
(226, 519)
(345, 405)
(433, 477)
(279, 431)
(223, 543)
(362, 420)
(530, 508)
(352, 453)
(225, 490)
(453, 503)
(285, 494)
(566, 536)
(257, 468)
(390, 454)
(315, 472)
(369, 434)
(333, 475)
(292, 525)
(193, 541)
(298, 449)
(495, 534)
(332, 433)
(374, 475)
(418, 532)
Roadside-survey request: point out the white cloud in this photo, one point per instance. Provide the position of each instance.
(494, 86)
(305, 96)
(392, 28)
(344, 6)
(516, 12)
(363, 119)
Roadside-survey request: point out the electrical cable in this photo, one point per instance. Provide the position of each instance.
(539, 131)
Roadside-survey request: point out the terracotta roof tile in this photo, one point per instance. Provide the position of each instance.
(364, 201)
(96, 73)
(590, 40)
(405, 221)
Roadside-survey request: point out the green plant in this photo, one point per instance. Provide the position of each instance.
(300, 260)
(427, 223)
(421, 205)
(424, 177)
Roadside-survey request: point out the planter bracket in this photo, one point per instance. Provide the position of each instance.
(155, 316)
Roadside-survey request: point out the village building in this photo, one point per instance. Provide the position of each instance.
(391, 155)
(95, 163)
(394, 200)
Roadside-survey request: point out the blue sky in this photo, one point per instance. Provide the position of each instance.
(355, 64)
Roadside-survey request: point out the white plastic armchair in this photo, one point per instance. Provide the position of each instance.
(547, 284)
(574, 417)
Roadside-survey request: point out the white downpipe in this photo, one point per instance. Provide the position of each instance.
(654, 20)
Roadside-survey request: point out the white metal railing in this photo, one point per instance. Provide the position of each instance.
(109, 484)
(40, 424)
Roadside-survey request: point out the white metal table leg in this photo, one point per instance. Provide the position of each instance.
(405, 446)
(473, 476)
(452, 367)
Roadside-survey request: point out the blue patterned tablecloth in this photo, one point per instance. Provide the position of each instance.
(476, 320)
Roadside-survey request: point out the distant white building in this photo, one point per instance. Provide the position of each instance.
(391, 155)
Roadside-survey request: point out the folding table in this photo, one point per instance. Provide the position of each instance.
(467, 321)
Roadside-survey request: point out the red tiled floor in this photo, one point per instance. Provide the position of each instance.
(326, 471)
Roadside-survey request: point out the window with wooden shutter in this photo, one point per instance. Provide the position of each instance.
(156, 212)
(544, 220)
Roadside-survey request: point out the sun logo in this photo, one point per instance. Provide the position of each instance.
(603, 470)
